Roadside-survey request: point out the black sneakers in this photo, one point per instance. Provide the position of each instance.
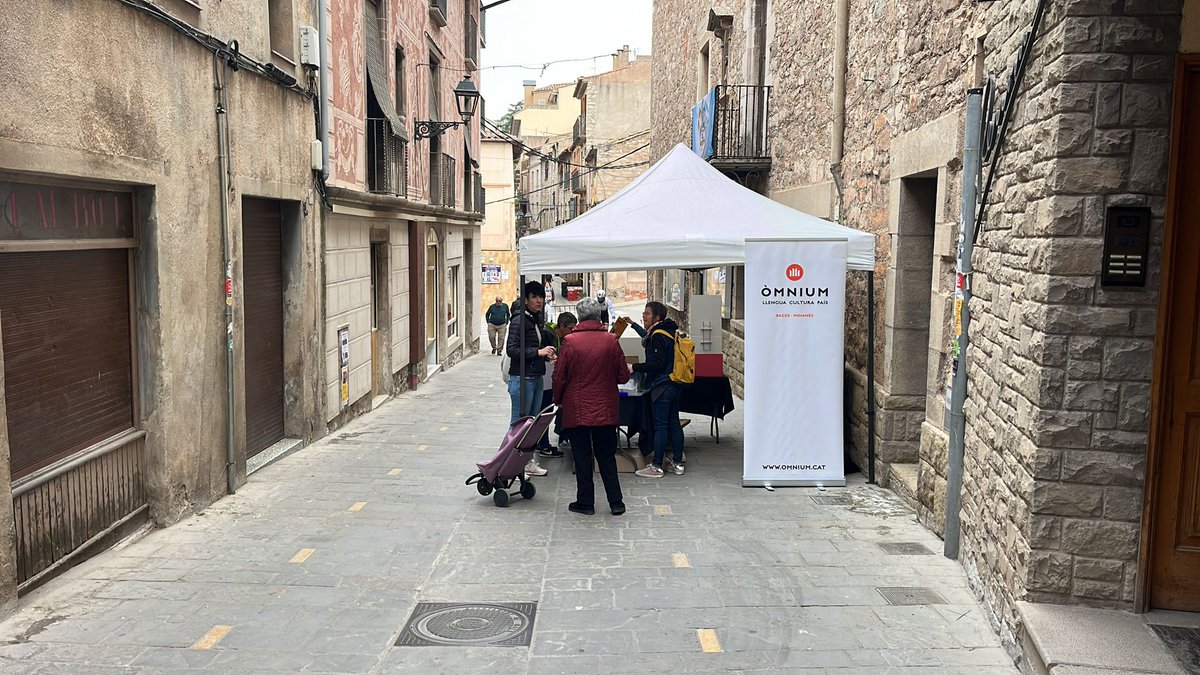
(550, 452)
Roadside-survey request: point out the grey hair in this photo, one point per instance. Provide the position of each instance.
(588, 310)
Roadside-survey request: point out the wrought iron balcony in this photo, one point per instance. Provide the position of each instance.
(740, 134)
(578, 182)
(579, 131)
(387, 159)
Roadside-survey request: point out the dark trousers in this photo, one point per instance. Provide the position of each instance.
(600, 442)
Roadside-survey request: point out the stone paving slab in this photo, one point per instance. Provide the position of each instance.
(316, 563)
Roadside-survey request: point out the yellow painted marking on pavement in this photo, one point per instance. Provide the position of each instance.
(444, 429)
(709, 644)
(394, 472)
(358, 506)
(681, 560)
(302, 555)
(458, 414)
(212, 637)
(422, 448)
(662, 510)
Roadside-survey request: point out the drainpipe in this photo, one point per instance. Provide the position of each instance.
(220, 75)
(972, 166)
(326, 86)
(837, 129)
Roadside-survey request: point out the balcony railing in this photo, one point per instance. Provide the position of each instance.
(471, 35)
(740, 125)
(387, 159)
(438, 12)
(578, 182)
(579, 132)
(442, 177)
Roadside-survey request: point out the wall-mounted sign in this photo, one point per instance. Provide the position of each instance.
(31, 212)
(344, 364)
(491, 274)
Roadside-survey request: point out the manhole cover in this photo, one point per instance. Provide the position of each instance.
(457, 624)
(905, 548)
(832, 501)
(910, 595)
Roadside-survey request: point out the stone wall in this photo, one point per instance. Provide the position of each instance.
(1059, 368)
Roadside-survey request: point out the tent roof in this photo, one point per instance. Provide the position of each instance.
(680, 213)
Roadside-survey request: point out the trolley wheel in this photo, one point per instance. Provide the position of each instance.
(500, 497)
(484, 487)
(528, 490)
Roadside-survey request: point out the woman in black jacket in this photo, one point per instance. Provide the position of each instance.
(664, 394)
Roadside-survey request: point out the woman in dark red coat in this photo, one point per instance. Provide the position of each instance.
(590, 366)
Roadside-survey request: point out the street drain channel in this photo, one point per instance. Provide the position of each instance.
(832, 501)
(905, 548)
(910, 595)
(460, 624)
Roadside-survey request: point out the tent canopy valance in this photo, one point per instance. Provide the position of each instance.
(680, 213)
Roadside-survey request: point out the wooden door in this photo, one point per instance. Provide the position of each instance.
(1175, 525)
(262, 269)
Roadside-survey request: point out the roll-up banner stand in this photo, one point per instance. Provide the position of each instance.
(795, 340)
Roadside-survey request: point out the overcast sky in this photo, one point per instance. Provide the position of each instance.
(523, 32)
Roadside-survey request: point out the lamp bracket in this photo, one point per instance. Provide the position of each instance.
(431, 128)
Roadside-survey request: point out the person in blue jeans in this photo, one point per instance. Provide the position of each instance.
(664, 394)
(537, 353)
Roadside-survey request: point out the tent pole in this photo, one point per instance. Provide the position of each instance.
(521, 382)
(871, 377)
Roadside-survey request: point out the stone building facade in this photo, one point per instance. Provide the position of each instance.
(1062, 471)
(126, 168)
(403, 234)
(499, 232)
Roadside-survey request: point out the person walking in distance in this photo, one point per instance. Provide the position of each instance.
(664, 394)
(586, 376)
(497, 317)
(538, 351)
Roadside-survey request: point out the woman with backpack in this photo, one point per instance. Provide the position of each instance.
(659, 341)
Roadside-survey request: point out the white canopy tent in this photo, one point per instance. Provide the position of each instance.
(680, 214)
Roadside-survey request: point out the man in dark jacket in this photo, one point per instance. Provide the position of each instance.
(586, 376)
(528, 322)
(498, 317)
(664, 394)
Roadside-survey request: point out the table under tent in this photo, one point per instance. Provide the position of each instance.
(683, 214)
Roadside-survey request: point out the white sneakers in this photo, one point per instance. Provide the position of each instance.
(533, 469)
(649, 471)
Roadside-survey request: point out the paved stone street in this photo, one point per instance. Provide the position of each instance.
(316, 564)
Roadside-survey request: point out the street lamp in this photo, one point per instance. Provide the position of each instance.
(466, 97)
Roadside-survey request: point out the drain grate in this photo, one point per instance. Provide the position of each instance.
(910, 595)
(1183, 643)
(905, 548)
(462, 624)
(832, 501)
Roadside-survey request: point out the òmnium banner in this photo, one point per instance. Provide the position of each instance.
(795, 338)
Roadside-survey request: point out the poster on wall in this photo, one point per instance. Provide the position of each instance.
(344, 365)
(491, 274)
(795, 324)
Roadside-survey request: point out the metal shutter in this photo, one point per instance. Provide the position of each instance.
(262, 270)
(68, 380)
